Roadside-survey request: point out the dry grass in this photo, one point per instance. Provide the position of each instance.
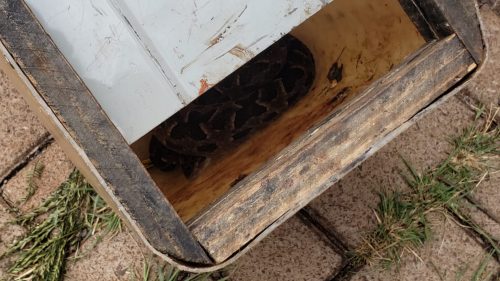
(56, 228)
(402, 225)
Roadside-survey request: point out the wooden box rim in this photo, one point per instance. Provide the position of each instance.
(178, 245)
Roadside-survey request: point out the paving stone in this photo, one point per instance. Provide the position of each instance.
(487, 195)
(291, 252)
(451, 254)
(486, 86)
(114, 258)
(489, 224)
(57, 168)
(20, 129)
(8, 234)
(348, 205)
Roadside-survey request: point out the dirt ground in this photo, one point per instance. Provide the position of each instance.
(297, 250)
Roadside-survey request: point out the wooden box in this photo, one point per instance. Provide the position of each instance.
(399, 58)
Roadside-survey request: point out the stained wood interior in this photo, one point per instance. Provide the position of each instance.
(367, 37)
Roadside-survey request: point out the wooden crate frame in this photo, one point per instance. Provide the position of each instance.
(385, 109)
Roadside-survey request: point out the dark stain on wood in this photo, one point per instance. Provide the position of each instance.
(238, 179)
(339, 97)
(336, 70)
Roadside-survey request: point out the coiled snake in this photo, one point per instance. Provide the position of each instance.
(240, 104)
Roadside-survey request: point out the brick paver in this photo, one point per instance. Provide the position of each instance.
(57, 168)
(487, 193)
(451, 255)
(115, 258)
(8, 234)
(291, 252)
(20, 130)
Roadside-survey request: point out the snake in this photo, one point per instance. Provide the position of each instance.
(228, 113)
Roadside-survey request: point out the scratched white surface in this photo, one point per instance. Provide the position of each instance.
(144, 60)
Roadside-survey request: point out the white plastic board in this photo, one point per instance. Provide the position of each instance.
(144, 60)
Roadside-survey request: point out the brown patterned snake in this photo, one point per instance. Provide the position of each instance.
(243, 102)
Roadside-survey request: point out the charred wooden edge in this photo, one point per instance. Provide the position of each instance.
(77, 116)
(432, 15)
(445, 17)
(418, 18)
(462, 16)
(228, 225)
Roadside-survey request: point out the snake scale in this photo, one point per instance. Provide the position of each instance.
(240, 104)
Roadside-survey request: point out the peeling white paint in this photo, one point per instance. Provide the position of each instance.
(144, 60)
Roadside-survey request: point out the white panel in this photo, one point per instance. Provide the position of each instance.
(202, 41)
(110, 61)
(143, 60)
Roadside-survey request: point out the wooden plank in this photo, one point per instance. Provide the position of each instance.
(313, 163)
(462, 17)
(125, 180)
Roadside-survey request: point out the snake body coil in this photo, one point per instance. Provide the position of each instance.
(243, 102)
